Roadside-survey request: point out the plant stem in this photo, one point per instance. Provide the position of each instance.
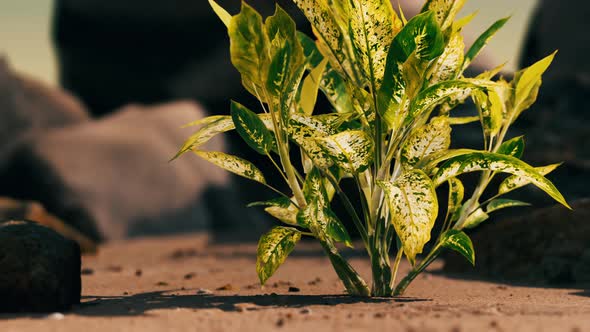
(398, 259)
(407, 280)
(355, 285)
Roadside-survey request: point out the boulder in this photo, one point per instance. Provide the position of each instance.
(112, 178)
(545, 246)
(28, 108)
(39, 269)
(11, 209)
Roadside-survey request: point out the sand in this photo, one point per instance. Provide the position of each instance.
(154, 285)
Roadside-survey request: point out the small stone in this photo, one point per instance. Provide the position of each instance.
(315, 281)
(293, 289)
(226, 287)
(189, 276)
(138, 273)
(202, 291)
(280, 322)
(162, 283)
(114, 268)
(379, 315)
(87, 272)
(305, 311)
(56, 316)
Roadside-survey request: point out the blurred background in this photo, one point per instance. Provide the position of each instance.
(93, 94)
(25, 32)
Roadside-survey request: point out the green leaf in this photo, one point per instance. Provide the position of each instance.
(456, 195)
(513, 147)
(310, 50)
(459, 24)
(221, 13)
(252, 129)
(310, 88)
(427, 140)
(212, 127)
(445, 10)
(527, 83)
(480, 161)
(482, 40)
(249, 49)
(372, 26)
(287, 61)
(273, 249)
(462, 120)
(514, 182)
(352, 150)
(459, 242)
(448, 65)
(233, 164)
(283, 202)
(502, 203)
(421, 36)
(413, 208)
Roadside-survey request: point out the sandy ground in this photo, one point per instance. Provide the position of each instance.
(154, 285)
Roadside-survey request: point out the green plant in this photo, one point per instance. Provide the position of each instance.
(392, 84)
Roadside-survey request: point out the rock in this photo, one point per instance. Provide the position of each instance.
(546, 246)
(39, 269)
(111, 178)
(18, 210)
(28, 108)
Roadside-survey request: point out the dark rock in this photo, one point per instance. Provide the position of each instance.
(546, 246)
(18, 210)
(111, 178)
(28, 108)
(39, 269)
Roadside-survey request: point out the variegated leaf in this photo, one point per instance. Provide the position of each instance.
(427, 140)
(445, 10)
(212, 126)
(423, 38)
(288, 215)
(514, 181)
(490, 108)
(482, 40)
(287, 61)
(273, 249)
(481, 161)
(424, 103)
(448, 65)
(462, 120)
(249, 49)
(413, 209)
(233, 164)
(279, 201)
(305, 131)
(456, 195)
(333, 41)
(459, 242)
(372, 26)
(502, 203)
(513, 147)
(475, 219)
(352, 150)
(252, 129)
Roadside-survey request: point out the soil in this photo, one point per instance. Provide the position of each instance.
(223, 294)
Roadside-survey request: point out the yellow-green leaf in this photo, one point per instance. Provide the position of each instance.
(212, 127)
(273, 249)
(482, 40)
(413, 209)
(221, 13)
(481, 161)
(513, 147)
(445, 10)
(527, 83)
(448, 65)
(475, 219)
(310, 88)
(252, 129)
(233, 164)
(514, 181)
(456, 195)
(502, 203)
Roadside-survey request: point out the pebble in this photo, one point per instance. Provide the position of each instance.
(305, 311)
(293, 289)
(202, 291)
(56, 316)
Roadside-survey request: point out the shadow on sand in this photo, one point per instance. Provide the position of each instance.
(141, 304)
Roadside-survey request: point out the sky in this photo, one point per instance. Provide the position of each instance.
(24, 32)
